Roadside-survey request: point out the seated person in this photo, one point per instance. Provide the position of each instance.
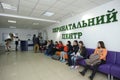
(82, 53)
(43, 46)
(56, 44)
(49, 49)
(73, 52)
(66, 50)
(55, 47)
(102, 52)
(60, 46)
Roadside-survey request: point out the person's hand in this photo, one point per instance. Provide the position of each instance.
(91, 64)
(57, 48)
(72, 54)
(75, 55)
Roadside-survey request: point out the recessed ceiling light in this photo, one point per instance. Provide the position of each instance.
(48, 14)
(35, 23)
(8, 6)
(12, 27)
(11, 21)
(31, 18)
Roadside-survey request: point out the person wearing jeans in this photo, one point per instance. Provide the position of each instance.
(73, 52)
(74, 58)
(67, 49)
(102, 52)
(81, 54)
(62, 58)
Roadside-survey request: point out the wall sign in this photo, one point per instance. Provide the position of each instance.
(76, 35)
(110, 17)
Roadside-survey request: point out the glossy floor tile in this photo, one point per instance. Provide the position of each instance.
(37, 66)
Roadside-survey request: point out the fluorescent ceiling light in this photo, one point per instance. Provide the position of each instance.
(48, 14)
(8, 6)
(12, 27)
(35, 23)
(25, 17)
(11, 21)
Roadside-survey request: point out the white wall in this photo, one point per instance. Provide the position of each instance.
(23, 34)
(109, 33)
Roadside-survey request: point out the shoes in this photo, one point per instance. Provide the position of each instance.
(71, 67)
(66, 63)
(90, 77)
(62, 61)
(76, 67)
(82, 73)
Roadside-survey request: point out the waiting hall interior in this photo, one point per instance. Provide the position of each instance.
(59, 40)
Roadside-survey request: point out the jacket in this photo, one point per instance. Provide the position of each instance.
(75, 49)
(101, 52)
(83, 52)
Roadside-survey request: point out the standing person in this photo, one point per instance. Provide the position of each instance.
(36, 44)
(8, 44)
(102, 52)
(41, 41)
(47, 47)
(73, 52)
(81, 54)
(33, 39)
(16, 43)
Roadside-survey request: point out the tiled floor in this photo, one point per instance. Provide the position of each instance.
(31, 66)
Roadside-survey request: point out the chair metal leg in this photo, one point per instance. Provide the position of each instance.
(112, 78)
(108, 76)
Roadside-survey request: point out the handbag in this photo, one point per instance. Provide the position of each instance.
(93, 60)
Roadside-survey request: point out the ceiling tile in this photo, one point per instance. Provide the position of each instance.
(84, 5)
(68, 2)
(41, 7)
(24, 13)
(59, 5)
(37, 13)
(47, 2)
(57, 11)
(10, 12)
(63, 9)
(11, 2)
(81, 3)
(26, 4)
(100, 1)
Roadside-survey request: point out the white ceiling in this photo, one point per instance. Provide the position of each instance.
(36, 8)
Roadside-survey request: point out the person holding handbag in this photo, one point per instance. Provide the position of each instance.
(101, 52)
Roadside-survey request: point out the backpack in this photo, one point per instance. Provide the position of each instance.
(55, 57)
